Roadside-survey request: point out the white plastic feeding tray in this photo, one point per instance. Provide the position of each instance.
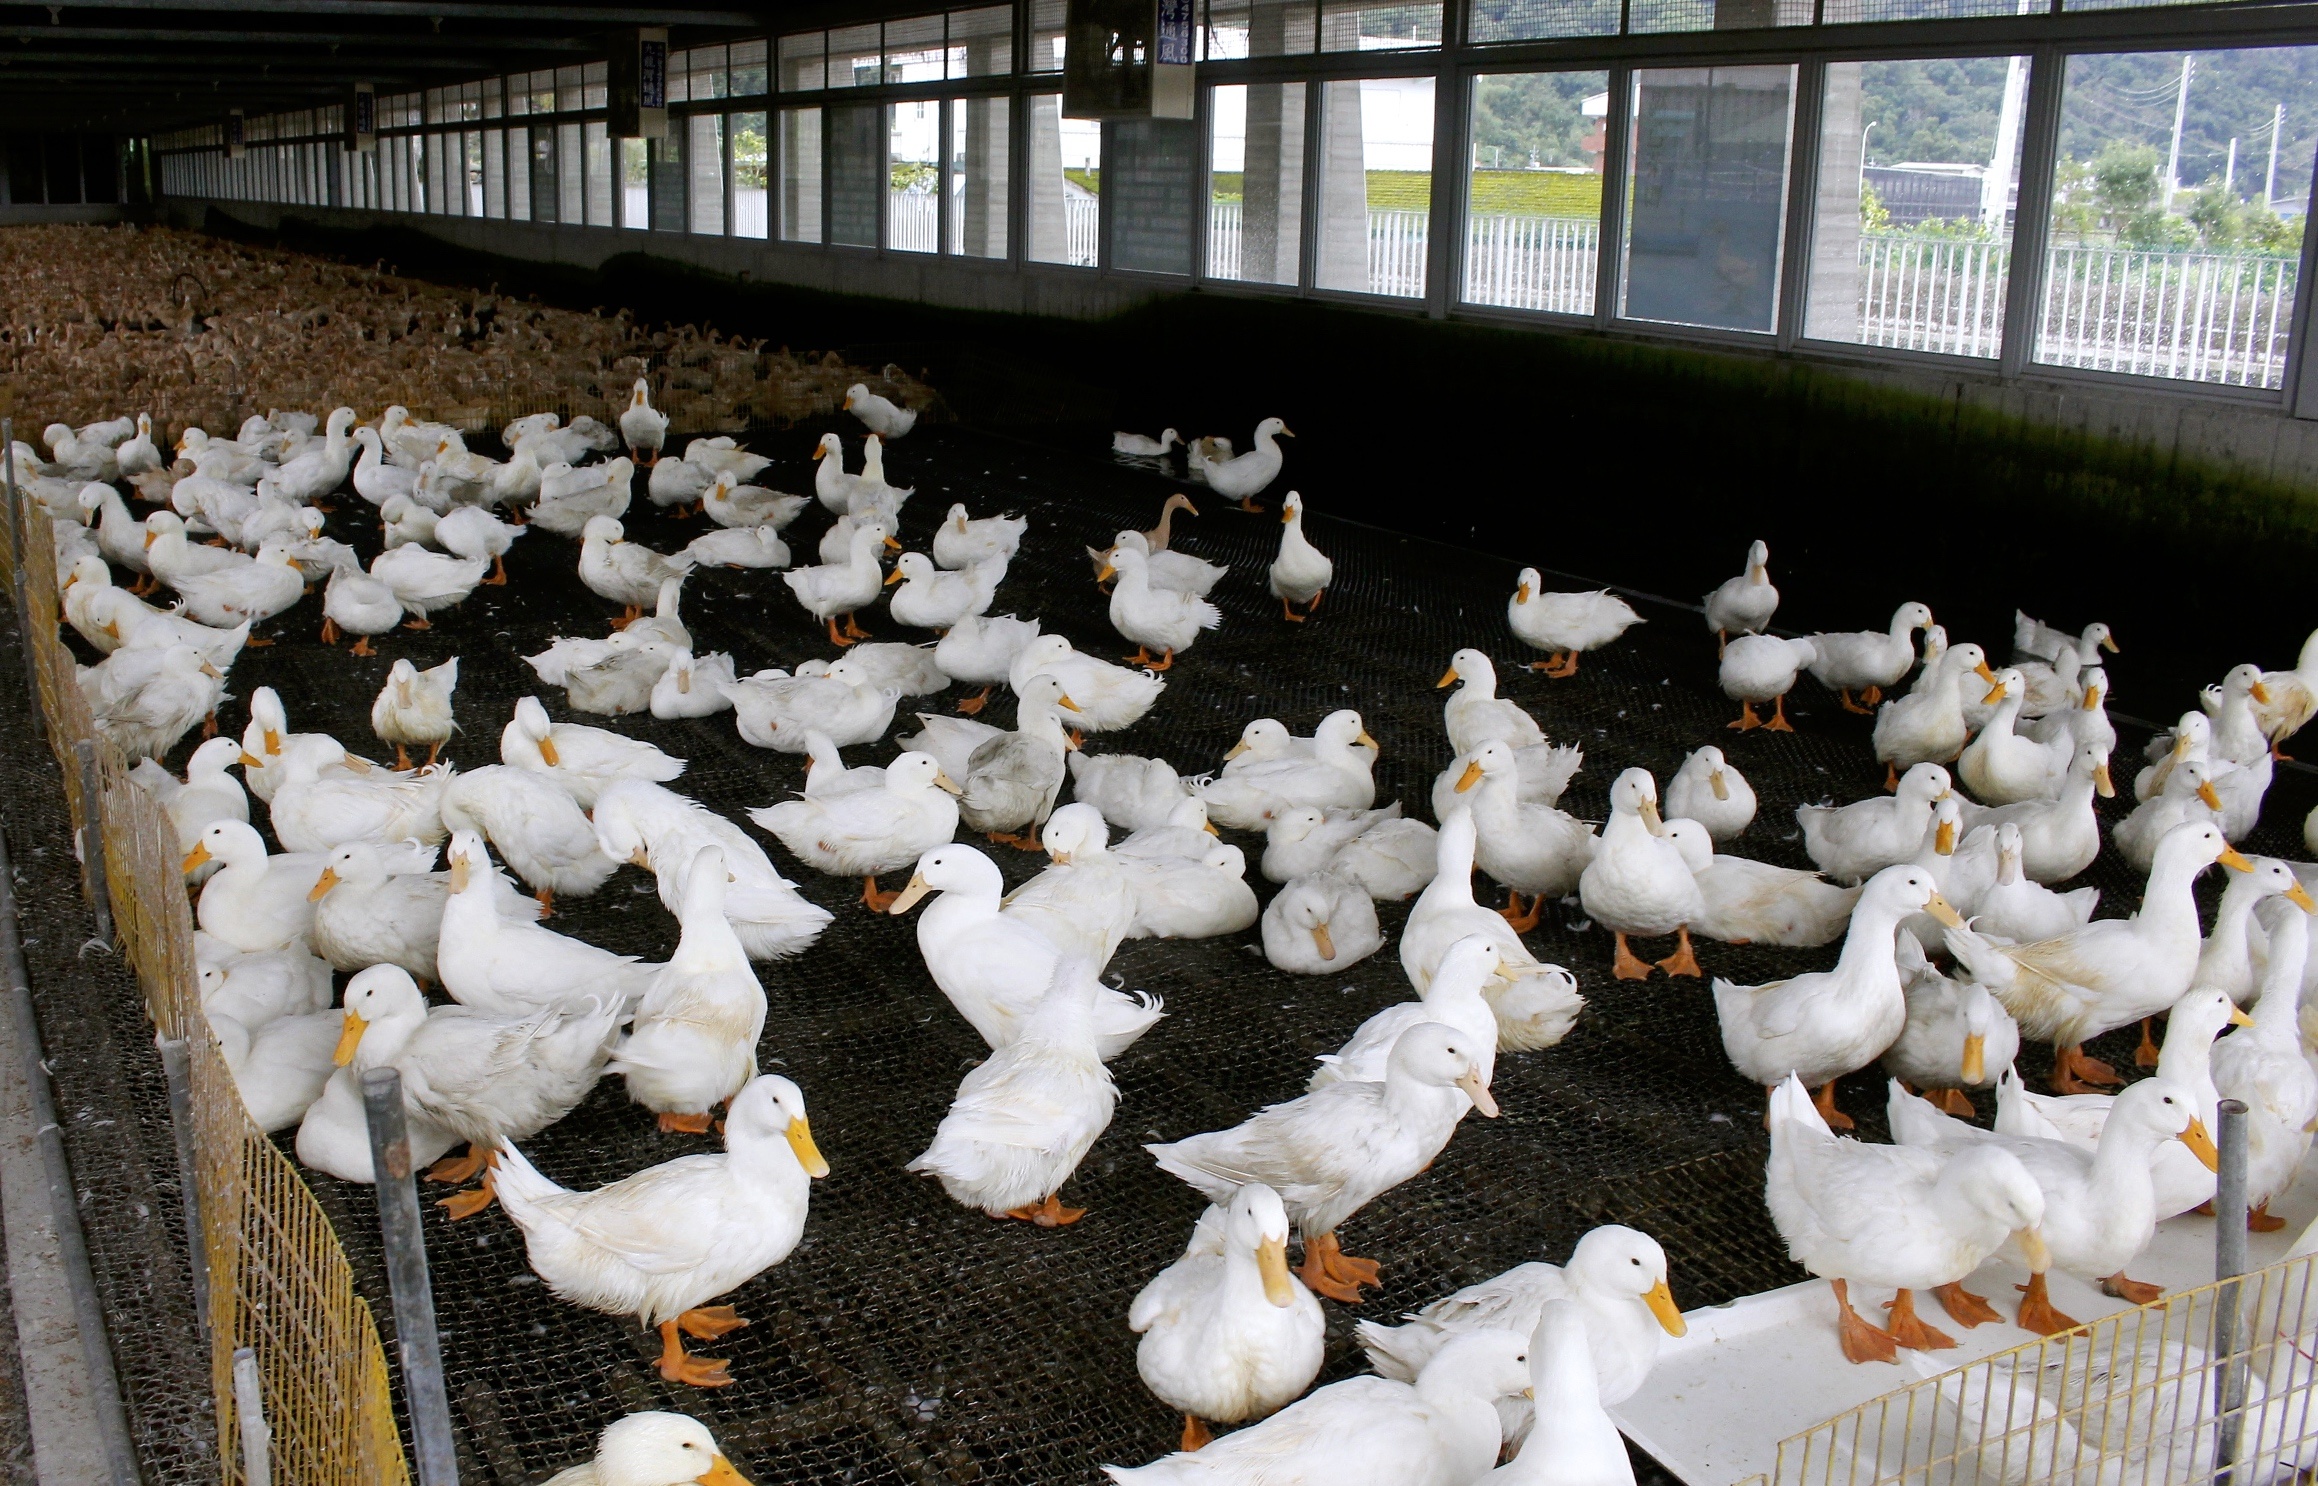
(1766, 1367)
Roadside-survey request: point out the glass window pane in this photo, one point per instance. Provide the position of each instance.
(913, 50)
(1533, 225)
(518, 97)
(667, 172)
(495, 173)
(1066, 180)
(856, 159)
(1706, 213)
(748, 69)
(438, 198)
(1047, 19)
(913, 202)
(519, 175)
(543, 92)
(854, 52)
(1919, 164)
(2175, 246)
(1369, 26)
(635, 184)
(982, 42)
(473, 167)
(979, 156)
(1537, 20)
(1255, 191)
(1376, 178)
(1151, 166)
(599, 157)
(707, 69)
(1260, 28)
(1838, 12)
(801, 69)
(1715, 15)
(749, 200)
(570, 175)
(595, 85)
(704, 173)
(801, 175)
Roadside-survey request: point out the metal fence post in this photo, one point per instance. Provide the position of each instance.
(2229, 1261)
(177, 1063)
(92, 839)
(16, 568)
(415, 1339)
(249, 1404)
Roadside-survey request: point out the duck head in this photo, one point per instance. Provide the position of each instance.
(1435, 1054)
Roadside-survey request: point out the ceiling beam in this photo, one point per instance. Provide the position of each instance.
(417, 41)
(12, 63)
(482, 10)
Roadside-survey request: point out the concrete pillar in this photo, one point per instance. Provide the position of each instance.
(1832, 312)
(1049, 237)
(1272, 183)
(982, 210)
(1343, 190)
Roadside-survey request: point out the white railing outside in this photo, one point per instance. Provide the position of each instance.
(1396, 252)
(1932, 294)
(1532, 263)
(913, 221)
(2202, 317)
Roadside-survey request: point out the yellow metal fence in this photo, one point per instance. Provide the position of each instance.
(279, 1281)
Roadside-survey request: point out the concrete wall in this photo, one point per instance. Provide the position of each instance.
(2197, 426)
(21, 216)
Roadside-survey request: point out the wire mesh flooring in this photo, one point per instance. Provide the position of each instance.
(908, 1339)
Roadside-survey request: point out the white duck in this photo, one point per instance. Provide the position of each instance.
(208, 792)
(368, 912)
(1851, 843)
(1307, 838)
(692, 686)
(980, 651)
(375, 480)
(963, 542)
(1155, 617)
(1453, 999)
(661, 831)
(2000, 766)
(2188, 798)
(319, 468)
(1743, 605)
(1869, 661)
(414, 707)
(660, 1244)
(319, 804)
(1929, 724)
(1585, 1447)
(622, 571)
(268, 585)
(493, 957)
(738, 547)
(1475, 714)
(2111, 972)
(644, 427)
(1331, 1152)
(730, 503)
(1245, 476)
(994, 964)
(1026, 1116)
(1823, 1024)
(1896, 1216)
(1320, 924)
(474, 533)
(1536, 1003)
(280, 1067)
(1302, 572)
(1533, 849)
(2226, 962)
(1338, 774)
(1762, 668)
(653, 1449)
(584, 761)
(2061, 836)
(694, 1043)
(1179, 572)
(1751, 902)
(1565, 625)
(1228, 1333)
(842, 588)
(1132, 792)
(1143, 446)
(775, 710)
(886, 418)
(864, 832)
(255, 902)
(2018, 908)
(2264, 1066)
(143, 700)
(936, 598)
(1638, 883)
(570, 498)
(357, 604)
(424, 582)
(1709, 789)
(1109, 697)
(1957, 1036)
(535, 825)
(1193, 897)
(255, 989)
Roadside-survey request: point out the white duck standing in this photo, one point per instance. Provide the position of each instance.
(662, 1243)
(1162, 617)
(1638, 883)
(842, 588)
(1565, 625)
(1869, 661)
(694, 1044)
(414, 707)
(1762, 668)
(1584, 1447)
(1302, 572)
(1536, 1003)
(627, 573)
(1244, 476)
(2265, 1067)
(1852, 843)
(644, 427)
(886, 418)
(1743, 605)
(1228, 1333)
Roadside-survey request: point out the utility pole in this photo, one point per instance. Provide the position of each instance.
(2180, 114)
(2270, 181)
(1996, 185)
(2229, 176)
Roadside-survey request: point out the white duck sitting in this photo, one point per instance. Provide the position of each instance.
(935, 598)
(653, 1449)
(1566, 625)
(1751, 902)
(993, 963)
(660, 1244)
(483, 1078)
(619, 681)
(1957, 1037)
(1302, 572)
(2100, 1209)
(414, 707)
(2265, 1068)
(1533, 849)
(864, 832)
(2061, 836)
(694, 1043)
(2111, 972)
(1243, 477)
(1743, 605)
(655, 828)
(842, 588)
(739, 547)
(1869, 661)
(1320, 924)
(1331, 1152)
(268, 585)
(2000, 766)
(1307, 838)
(570, 498)
(282, 1066)
(1536, 1003)
(1132, 792)
(366, 912)
(254, 902)
(1615, 1278)
(775, 710)
(1194, 897)
(494, 957)
(1544, 771)
(1109, 697)
(1824, 1024)
(1453, 999)
(1638, 883)
(1086, 901)
(2035, 640)
(377, 481)
(2018, 908)
(143, 699)
(1026, 1116)
(319, 804)
(1475, 714)
(1143, 446)
(885, 418)
(1929, 724)
(1896, 1216)
(584, 761)
(1228, 1333)
(1851, 843)
(1442, 1430)
(2188, 798)
(1008, 781)
(207, 793)
(963, 542)
(980, 651)
(731, 503)
(1336, 775)
(1178, 572)
(1709, 789)
(1762, 668)
(1152, 616)
(424, 582)
(535, 825)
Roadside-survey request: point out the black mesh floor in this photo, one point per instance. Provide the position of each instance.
(910, 1339)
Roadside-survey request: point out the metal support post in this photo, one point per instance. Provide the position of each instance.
(415, 1340)
(92, 839)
